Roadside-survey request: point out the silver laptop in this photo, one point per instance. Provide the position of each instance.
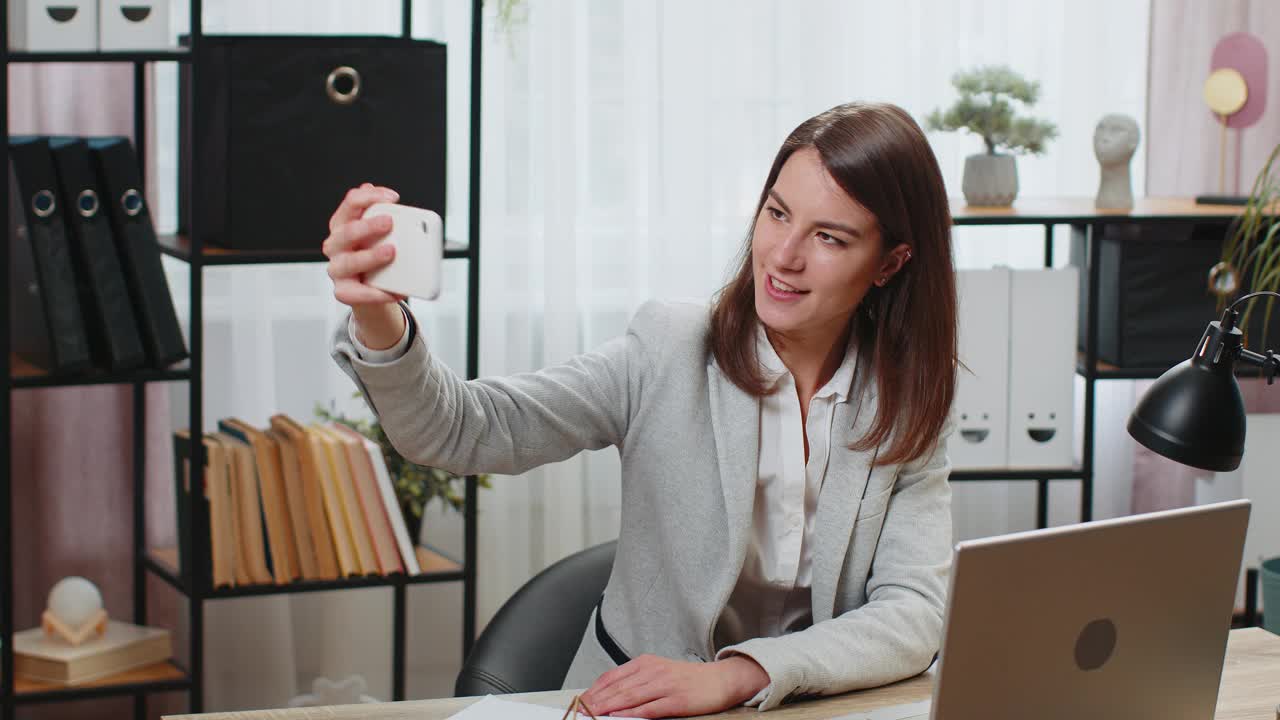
(1124, 618)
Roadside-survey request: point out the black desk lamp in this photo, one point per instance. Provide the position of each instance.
(1194, 413)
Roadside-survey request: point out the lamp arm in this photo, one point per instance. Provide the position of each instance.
(1252, 295)
(1268, 361)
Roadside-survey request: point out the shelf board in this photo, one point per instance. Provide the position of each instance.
(163, 562)
(23, 374)
(436, 567)
(1080, 210)
(433, 562)
(179, 246)
(160, 677)
(173, 55)
(167, 558)
(1107, 371)
(979, 474)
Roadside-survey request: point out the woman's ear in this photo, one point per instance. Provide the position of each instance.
(893, 262)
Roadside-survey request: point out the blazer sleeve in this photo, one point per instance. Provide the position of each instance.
(503, 425)
(898, 632)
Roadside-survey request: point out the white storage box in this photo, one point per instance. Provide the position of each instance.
(1042, 360)
(981, 439)
(53, 25)
(134, 25)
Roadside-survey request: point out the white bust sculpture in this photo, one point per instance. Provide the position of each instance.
(1114, 142)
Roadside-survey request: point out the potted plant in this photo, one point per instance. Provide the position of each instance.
(1251, 251)
(986, 107)
(1251, 263)
(415, 485)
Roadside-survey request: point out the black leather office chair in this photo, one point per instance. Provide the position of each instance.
(530, 643)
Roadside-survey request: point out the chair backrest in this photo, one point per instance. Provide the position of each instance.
(529, 644)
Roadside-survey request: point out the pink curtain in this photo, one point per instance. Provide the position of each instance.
(72, 447)
(1182, 159)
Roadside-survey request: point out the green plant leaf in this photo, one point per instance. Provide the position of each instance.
(1252, 245)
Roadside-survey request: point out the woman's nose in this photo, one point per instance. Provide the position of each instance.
(788, 254)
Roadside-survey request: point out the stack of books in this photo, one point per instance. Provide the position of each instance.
(291, 502)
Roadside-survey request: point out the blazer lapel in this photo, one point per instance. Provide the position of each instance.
(847, 477)
(735, 420)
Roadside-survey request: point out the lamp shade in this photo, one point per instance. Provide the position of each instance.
(1193, 414)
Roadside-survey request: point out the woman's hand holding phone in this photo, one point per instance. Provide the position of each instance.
(379, 321)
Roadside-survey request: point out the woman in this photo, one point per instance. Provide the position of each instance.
(786, 520)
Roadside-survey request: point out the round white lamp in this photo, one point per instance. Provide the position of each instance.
(74, 611)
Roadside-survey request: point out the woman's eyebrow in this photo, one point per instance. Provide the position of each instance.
(821, 223)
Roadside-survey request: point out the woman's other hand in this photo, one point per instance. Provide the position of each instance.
(656, 687)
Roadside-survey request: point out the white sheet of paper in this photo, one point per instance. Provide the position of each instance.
(492, 708)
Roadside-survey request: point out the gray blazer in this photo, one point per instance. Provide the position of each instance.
(689, 441)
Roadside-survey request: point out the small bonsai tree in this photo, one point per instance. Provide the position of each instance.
(986, 108)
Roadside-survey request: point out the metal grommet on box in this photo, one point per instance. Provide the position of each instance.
(43, 204)
(339, 96)
(131, 201)
(87, 203)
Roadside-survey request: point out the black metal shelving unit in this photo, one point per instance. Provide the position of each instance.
(1088, 365)
(17, 376)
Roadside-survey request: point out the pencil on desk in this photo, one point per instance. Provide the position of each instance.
(575, 707)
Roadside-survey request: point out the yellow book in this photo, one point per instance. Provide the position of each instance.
(361, 539)
(296, 500)
(371, 507)
(275, 511)
(312, 490)
(239, 554)
(217, 496)
(248, 510)
(122, 647)
(343, 543)
(217, 481)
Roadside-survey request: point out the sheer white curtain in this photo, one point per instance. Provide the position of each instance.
(625, 145)
(625, 142)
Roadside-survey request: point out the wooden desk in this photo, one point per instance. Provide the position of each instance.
(1250, 691)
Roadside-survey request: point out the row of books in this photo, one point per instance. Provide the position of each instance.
(88, 289)
(291, 502)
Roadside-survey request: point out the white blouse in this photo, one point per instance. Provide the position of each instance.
(772, 597)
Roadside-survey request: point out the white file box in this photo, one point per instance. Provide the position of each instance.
(1042, 360)
(133, 25)
(53, 25)
(981, 411)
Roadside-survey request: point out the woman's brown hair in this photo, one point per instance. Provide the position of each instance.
(905, 331)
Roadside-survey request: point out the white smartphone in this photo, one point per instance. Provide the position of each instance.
(418, 236)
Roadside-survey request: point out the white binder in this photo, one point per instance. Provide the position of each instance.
(134, 25)
(1042, 360)
(53, 25)
(981, 409)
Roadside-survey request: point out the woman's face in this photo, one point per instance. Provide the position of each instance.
(815, 251)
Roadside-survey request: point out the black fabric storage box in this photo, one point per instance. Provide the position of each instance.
(1153, 299)
(280, 135)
